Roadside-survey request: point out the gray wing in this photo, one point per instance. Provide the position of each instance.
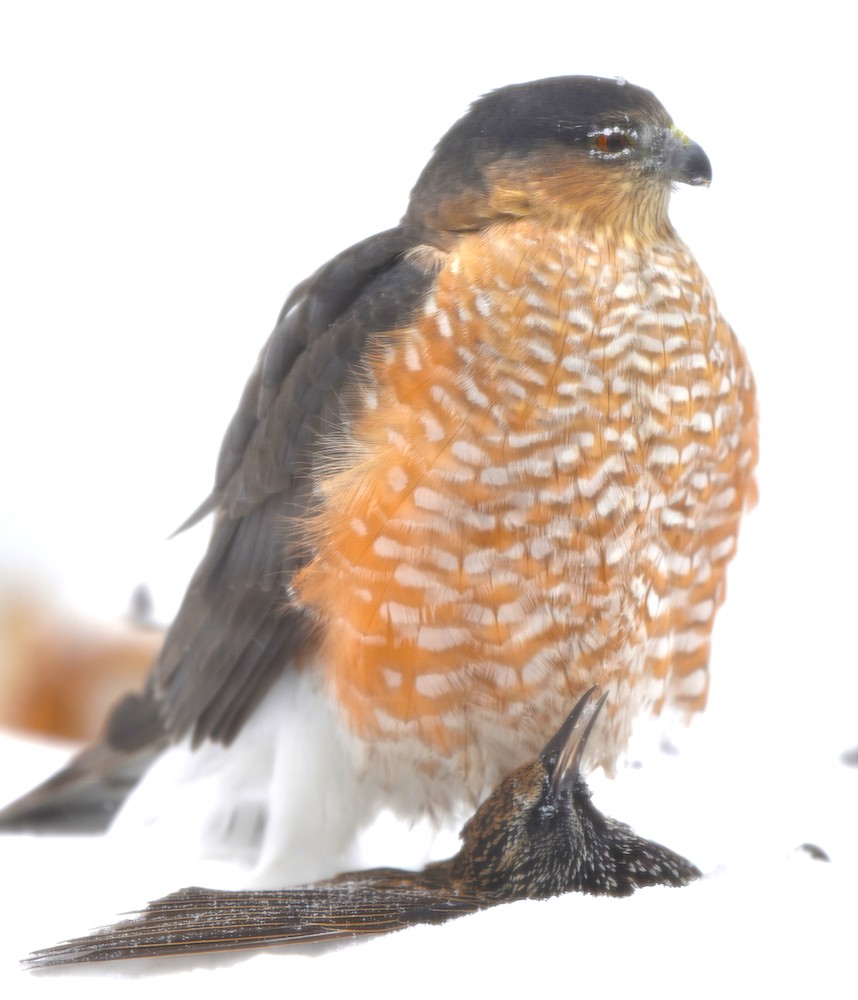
(235, 630)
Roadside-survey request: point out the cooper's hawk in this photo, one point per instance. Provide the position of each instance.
(487, 459)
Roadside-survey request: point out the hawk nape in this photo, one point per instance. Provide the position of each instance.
(488, 458)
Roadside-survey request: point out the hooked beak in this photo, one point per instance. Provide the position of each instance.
(563, 752)
(685, 161)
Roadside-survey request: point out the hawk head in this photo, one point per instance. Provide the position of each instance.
(575, 149)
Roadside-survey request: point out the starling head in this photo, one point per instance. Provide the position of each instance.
(538, 834)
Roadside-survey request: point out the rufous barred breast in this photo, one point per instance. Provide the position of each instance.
(540, 490)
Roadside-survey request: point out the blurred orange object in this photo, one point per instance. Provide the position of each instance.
(59, 674)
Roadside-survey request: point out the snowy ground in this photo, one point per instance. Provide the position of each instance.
(169, 175)
(766, 919)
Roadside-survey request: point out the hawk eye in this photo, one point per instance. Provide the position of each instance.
(611, 142)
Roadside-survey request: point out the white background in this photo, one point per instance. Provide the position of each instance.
(170, 170)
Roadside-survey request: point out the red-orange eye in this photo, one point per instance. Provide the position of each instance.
(611, 141)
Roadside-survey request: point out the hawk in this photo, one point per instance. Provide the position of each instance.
(488, 459)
